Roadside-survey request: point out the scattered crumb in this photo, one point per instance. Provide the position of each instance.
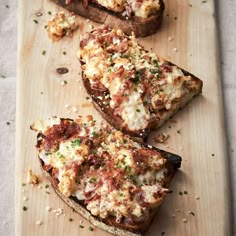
(175, 49)
(38, 222)
(48, 208)
(162, 137)
(170, 38)
(61, 25)
(197, 197)
(25, 198)
(40, 186)
(32, 178)
(74, 109)
(87, 20)
(191, 213)
(67, 106)
(181, 148)
(185, 220)
(80, 221)
(64, 82)
(58, 211)
(24, 208)
(173, 216)
(190, 54)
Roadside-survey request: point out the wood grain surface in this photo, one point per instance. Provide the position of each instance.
(197, 132)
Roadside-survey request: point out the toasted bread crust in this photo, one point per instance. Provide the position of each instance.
(140, 26)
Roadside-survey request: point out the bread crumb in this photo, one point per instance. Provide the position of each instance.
(170, 38)
(48, 208)
(25, 198)
(58, 211)
(161, 138)
(32, 178)
(185, 220)
(61, 25)
(40, 186)
(38, 222)
(175, 49)
(74, 109)
(64, 82)
(67, 106)
(197, 197)
(173, 216)
(91, 26)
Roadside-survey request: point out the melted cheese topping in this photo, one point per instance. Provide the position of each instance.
(140, 83)
(61, 25)
(139, 8)
(109, 172)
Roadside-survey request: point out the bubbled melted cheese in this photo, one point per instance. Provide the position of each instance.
(139, 81)
(110, 183)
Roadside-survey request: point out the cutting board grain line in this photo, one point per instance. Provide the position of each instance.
(188, 37)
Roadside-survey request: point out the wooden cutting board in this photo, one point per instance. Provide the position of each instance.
(199, 204)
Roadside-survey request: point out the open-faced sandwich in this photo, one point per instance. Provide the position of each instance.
(135, 90)
(138, 16)
(114, 182)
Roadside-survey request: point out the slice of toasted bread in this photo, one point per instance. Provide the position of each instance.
(134, 89)
(128, 22)
(114, 182)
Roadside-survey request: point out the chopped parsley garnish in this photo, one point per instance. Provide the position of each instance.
(3, 76)
(23, 184)
(24, 208)
(87, 98)
(45, 27)
(81, 226)
(121, 194)
(105, 43)
(92, 180)
(185, 192)
(35, 21)
(90, 228)
(46, 186)
(75, 142)
(44, 52)
(64, 53)
(132, 177)
(70, 219)
(124, 141)
(138, 110)
(180, 193)
(95, 134)
(127, 168)
(62, 156)
(49, 13)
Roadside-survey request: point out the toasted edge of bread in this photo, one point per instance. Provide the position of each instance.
(140, 26)
(109, 225)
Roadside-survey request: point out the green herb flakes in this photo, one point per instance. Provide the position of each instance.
(24, 208)
(75, 143)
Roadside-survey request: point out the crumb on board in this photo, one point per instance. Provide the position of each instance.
(32, 178)
(162, 137)
(61, 25)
